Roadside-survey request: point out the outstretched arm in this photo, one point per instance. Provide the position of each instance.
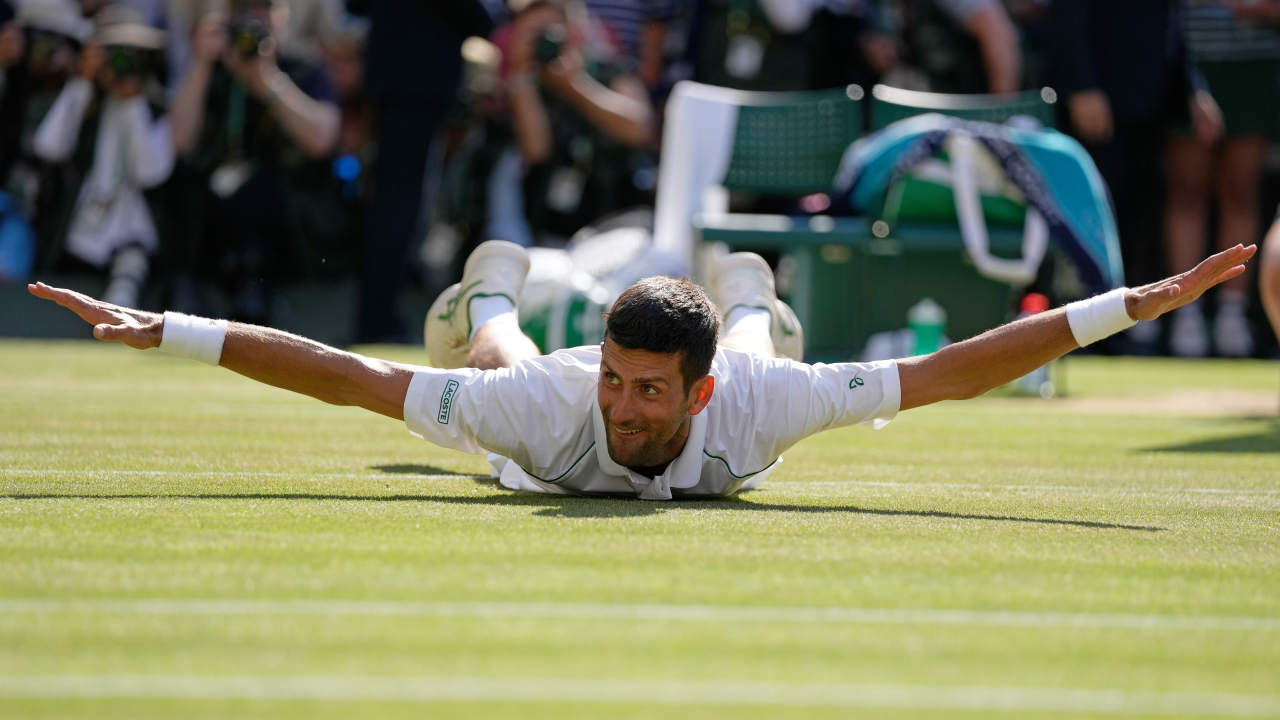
(970, 368)
(263, 354)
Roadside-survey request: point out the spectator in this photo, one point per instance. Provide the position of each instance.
(966, 46)
(258, 134)
(12, 44)
(639, 28)
(576, 120)
(1031, 17)
(310, 24)
(783, 45)
(344, 64)
(1125, 75)
(1240, 62)
(49, 41)
(1269, 276)
(125, 148)
(413, 66)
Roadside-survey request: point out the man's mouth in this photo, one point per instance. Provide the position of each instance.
(620, 431)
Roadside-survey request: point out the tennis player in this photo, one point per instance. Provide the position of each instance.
(667, 406)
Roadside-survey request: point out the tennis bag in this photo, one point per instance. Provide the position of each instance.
(938, 168)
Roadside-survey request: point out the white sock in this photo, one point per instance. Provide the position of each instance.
(1232, 302)
(1191, 308)
(748, 319)
(485, 310)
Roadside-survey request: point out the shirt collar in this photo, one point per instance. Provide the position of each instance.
(683, 472)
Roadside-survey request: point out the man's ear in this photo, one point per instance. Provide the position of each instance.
(701, 393)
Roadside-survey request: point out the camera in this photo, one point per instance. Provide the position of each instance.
(550, 43)
(247, 36)
(127, 62)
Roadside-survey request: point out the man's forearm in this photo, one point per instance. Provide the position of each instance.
(970, 368)
(1001, 55)
(310, 368)
(312, 124)
(186, 115)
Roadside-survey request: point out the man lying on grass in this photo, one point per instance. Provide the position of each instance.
(664, 407)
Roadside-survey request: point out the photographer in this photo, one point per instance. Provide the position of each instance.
(578, 121)
(254, 136)
(102, 121)
(42, 44)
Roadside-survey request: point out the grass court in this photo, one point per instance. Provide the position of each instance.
(178, 541)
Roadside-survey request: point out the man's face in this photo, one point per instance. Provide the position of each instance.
(645, 407)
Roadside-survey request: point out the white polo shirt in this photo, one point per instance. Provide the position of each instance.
(542, 413)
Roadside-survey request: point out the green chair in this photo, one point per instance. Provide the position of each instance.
(790, 144)
(889, 105)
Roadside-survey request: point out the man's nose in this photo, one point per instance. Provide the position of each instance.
(623, 411)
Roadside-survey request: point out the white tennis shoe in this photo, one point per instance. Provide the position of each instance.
(495, 268)
(744, 280)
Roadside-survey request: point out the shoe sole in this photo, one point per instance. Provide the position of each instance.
(742, 260)
(495, 248)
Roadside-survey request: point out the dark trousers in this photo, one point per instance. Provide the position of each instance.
(1132, 165)
(406, 127)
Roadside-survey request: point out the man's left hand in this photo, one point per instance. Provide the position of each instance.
(1151, 301)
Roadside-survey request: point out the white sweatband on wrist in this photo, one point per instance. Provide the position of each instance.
(194, 338)
(1099, 317)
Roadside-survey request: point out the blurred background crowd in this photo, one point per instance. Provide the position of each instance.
(201, 155)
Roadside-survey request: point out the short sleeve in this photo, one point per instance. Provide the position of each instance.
(535, 412)
(791, 401)
(430, 408)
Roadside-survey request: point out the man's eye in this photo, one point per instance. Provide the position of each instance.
(650, 390)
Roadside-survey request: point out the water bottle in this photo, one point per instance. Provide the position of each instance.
(1036, 383)
(928, 323)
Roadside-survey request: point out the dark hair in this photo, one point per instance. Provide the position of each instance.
(669, 316)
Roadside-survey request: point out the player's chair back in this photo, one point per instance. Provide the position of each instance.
(790, 144)
(889, 105)
(776, 144)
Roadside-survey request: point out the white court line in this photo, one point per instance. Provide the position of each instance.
(642, 612)
(637, 692)
(1032, 488)
(240, 473)
(789, 484)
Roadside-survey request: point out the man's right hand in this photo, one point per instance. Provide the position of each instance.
(1091, 115)
(135, 328)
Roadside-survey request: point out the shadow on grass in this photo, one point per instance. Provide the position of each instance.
(588, 507)
(407, 469)
(1267, 441)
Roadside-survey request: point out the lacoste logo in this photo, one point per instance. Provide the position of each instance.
(856, 382)
(446, 401)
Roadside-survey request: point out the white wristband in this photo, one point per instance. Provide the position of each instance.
(194, 338)
(1098, 317)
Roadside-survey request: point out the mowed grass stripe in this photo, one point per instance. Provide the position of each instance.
(786, 484)
(632, 692)
(642, 612)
